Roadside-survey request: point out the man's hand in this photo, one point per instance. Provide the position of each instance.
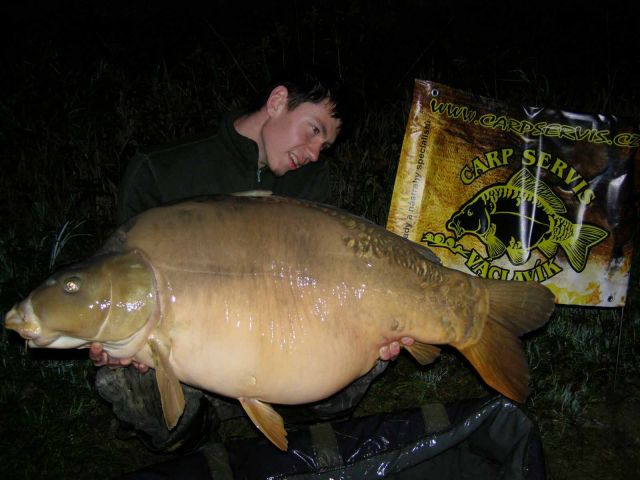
(100, 358)
(392, 350)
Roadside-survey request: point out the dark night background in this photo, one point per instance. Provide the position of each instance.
(86, 84)
(96, 81)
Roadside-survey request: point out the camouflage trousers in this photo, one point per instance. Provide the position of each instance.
(136, 402)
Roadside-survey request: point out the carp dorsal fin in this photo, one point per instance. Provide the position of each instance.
(267, 420)
(171, 394)
(526, 181)
(423, 352)
(253, 193)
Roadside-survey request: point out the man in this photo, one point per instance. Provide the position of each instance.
(297, 119)
(275, 146)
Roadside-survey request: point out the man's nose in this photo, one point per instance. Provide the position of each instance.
(313, 151)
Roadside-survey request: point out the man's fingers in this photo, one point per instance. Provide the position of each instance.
(101, 358)
(142, 368)
(384, 353)
(407, 341)
(392, 349)
(95, 352)
(97, 355)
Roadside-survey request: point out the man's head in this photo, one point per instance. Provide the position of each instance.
(303, 114)
(308, 84)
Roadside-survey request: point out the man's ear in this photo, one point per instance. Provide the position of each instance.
(277, 101)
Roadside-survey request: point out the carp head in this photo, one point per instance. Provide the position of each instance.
(105, 299)
(472, 218)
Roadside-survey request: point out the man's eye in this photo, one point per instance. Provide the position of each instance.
(315, 130)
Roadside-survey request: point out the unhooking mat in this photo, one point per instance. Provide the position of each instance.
(480, 439)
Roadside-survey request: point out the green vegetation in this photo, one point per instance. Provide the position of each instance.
(80, 99)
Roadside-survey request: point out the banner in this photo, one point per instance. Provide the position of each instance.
(524, 194)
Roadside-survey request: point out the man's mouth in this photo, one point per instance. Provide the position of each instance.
(294, 163)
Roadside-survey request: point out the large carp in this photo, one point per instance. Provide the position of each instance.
(273, 300)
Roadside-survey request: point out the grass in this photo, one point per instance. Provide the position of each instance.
(76, 109)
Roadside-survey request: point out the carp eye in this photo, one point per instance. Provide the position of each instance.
(72, 284)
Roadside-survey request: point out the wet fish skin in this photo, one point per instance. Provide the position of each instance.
(272, 300)
(107, 297)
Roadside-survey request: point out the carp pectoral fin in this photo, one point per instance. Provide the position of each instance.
(514, 308)
(423, 352)
(495, 247)
(171, 394)
(267, 420)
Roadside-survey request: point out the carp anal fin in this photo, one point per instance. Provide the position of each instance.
(171, 394)
(423, 352)
(267, 420)
(548, 248)
(514, 309)
(518, 256)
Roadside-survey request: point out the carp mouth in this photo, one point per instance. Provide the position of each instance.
(21, 321)
(454, 226)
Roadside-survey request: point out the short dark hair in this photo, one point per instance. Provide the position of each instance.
(309, 84)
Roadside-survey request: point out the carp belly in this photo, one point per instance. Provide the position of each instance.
(261, 337)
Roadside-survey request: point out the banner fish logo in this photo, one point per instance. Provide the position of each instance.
(522, 215)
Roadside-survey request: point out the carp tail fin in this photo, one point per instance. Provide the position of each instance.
(267, 420)
(578, 246)
(515, 308)
(171, 394)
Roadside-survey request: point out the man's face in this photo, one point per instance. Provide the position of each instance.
(293, 138)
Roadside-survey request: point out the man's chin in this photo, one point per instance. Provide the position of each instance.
(280, 172)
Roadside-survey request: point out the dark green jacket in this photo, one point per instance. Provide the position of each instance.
(223, 163)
